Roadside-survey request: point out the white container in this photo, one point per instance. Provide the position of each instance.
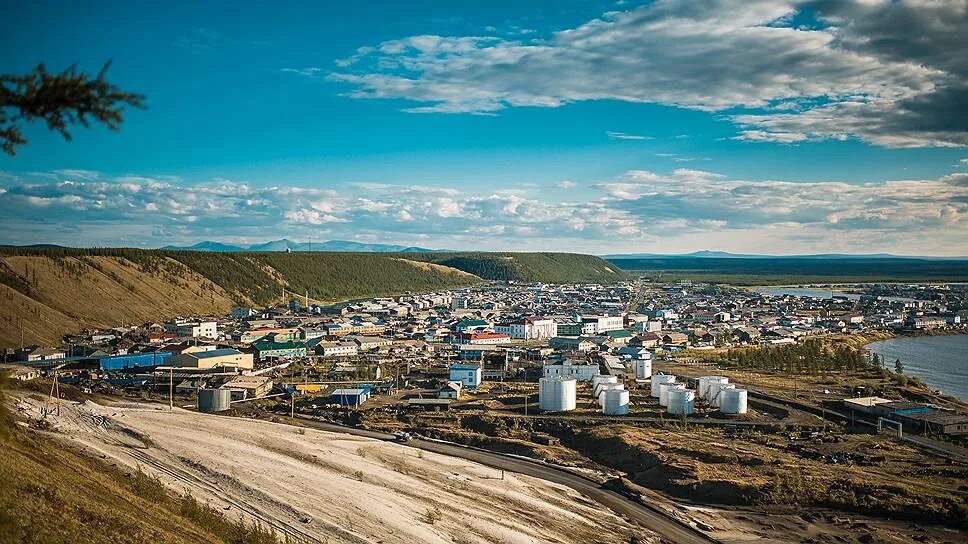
(733, 401)
(557, 394)
(664, 392)
(705, 382)
(615, 402)
(716, 392)
(681, 401)
(603, 378)
(658, 379)
(604, 387)
(597, 391)
(643, 369)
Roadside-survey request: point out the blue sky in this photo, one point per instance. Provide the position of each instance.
(768, 126)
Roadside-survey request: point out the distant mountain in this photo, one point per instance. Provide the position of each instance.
(289, 245)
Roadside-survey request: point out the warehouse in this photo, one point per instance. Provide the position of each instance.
(248, 387)
(217, 358)
(134, 360)
(350, 396)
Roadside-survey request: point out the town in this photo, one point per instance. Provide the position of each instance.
(621, 346)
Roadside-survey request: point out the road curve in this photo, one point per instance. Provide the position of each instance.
(668, 528)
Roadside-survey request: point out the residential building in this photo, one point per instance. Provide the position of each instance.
(468, 374)
(269, 349)
(529, 328)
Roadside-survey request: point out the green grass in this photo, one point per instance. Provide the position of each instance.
(536, 267)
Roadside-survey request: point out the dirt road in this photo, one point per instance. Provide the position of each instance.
(670, 530)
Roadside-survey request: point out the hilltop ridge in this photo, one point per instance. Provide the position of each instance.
(48, 292)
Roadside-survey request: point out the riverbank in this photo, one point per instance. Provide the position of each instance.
(937, 360)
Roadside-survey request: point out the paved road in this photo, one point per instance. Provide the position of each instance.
(669, 529)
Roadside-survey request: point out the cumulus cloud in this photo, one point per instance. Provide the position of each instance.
(230, 210)
(890, 73)
(664, 211)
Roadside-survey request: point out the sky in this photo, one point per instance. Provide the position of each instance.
(754, 126)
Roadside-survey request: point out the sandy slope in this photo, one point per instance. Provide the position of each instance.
(323, 486)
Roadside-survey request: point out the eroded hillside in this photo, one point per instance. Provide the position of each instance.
(50, 297)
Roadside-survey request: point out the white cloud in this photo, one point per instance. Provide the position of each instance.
(623, 136)
(891, 73)
(678, 208)
(566, 184)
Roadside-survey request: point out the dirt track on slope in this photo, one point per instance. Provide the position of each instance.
(315, 485)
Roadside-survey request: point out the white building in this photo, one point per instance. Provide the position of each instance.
(337, 349)
(529, 328)
(468, 374)
(584, 373)
(597, 324)
(194, 329)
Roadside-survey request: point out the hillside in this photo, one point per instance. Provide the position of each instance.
(52, 493)
(53, 291)
(543, 267)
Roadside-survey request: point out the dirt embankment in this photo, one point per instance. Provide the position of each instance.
(855, 473)
(318, 485)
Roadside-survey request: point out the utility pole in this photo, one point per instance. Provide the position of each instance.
(171, 388)
(525, 392)
(292, 404)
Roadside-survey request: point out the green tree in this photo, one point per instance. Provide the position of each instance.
(60, 100)
(898, 367)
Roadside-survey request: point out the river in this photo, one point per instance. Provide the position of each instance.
(820, 293)
(941, 361)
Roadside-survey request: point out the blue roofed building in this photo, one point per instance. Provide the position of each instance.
(133, 360)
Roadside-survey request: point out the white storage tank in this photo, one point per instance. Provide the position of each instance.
(557, 394)
(658, 379)
(681, 401)
(733, 401)
(214, 400)
(705, 382)
(643, 369)
(664, 392)
(604, 387)
(597, 391)
(716, 392)
(615, 402)
(603, 378)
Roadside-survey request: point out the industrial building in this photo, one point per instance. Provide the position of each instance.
(350, 396)
(580, 372)
(217, 358)
(134, 360)
(248, 387)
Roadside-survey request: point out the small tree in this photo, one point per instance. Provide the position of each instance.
(59, 100)
(898, 367)
(876, 360)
